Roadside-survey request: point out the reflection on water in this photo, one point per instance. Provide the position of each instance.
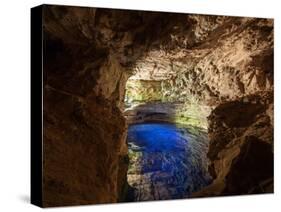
(167, 161)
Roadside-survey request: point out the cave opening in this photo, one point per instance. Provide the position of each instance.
(167, 140)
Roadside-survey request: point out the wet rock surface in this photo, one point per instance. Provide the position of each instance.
(167, 161)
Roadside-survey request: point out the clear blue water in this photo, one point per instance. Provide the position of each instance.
(156, 137)
(167, 161)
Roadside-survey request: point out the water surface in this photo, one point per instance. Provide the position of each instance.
(167, 161)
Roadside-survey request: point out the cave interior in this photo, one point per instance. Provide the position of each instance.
(142, 105)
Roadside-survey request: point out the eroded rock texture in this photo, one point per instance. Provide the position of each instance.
(224, 64)
(84, 129)
(241, 148)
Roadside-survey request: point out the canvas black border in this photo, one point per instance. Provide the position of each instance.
(36, 105)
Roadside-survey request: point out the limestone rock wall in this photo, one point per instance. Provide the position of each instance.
(84, 129)
(241, 147)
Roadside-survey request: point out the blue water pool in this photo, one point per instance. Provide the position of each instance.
(167, 161)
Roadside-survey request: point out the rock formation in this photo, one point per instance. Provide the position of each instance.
(223, 65)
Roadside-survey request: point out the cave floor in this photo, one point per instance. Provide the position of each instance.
(167, 161)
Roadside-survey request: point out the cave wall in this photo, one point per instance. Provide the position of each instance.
(89, 54)
(241, 147)
(81, 129)
(153, 100)
(84, 129)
